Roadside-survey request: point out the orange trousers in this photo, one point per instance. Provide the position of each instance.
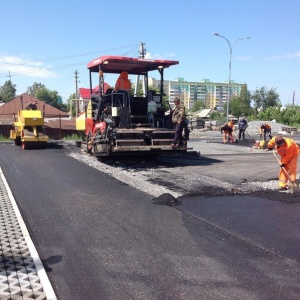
(291, 169)
(227, 135)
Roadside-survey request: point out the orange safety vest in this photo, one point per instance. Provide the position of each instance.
(288, 150)
(123, 82)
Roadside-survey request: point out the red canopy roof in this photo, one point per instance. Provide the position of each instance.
(117, 64)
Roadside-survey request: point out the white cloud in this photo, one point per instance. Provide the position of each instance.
(287, 56)
(158, 56)
(244, 58)
(27, 68)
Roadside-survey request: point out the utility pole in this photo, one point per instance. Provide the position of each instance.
(76, 93)
(294, 98)
(9, 76)
(142, 56)
(142, 50)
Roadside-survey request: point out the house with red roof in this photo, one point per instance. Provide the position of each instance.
(58, 124)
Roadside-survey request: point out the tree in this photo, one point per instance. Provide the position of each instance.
(241, 105)
(270, 113)
(7, 91)
(32, 90)
(198, 104)
(217, 115)
(73, 105)
(39, 91)
(264, 98)
(291, 116)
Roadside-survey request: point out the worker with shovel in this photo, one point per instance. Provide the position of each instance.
(242, 126)
(227, 130)
(264, 130)
(288, 150)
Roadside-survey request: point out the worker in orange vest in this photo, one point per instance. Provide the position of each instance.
(265, 129)
(288, 150)
(123, 83)
(227, 130)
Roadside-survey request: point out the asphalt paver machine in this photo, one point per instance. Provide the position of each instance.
(119, 123)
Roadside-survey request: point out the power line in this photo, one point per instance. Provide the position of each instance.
(55, 68)
(64, 57)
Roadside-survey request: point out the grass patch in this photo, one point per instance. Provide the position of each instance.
(73, 137)
(5, 139)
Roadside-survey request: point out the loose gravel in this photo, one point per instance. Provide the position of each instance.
(161, 181)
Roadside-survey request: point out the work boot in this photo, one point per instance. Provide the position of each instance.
(283, 188)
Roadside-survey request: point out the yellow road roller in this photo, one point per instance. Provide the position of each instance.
(29, 132)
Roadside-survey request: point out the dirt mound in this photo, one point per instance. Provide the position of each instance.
(166, 199)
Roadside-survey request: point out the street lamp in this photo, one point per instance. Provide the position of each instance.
(230, 47)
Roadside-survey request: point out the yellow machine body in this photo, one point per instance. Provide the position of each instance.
(81, 119)
(28, 129)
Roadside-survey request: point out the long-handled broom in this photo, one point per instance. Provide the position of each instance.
(294, 184)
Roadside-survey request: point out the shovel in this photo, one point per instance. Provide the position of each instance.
(294, 184)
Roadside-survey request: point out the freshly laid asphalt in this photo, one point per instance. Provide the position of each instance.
(271, 245)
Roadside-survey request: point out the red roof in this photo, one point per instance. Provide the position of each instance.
(12, 107)
(84, 93)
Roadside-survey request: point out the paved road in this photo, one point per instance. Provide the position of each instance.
(100, 239)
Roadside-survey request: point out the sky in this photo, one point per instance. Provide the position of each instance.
(48, 41)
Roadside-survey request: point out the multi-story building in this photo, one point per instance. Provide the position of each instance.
(211, 93)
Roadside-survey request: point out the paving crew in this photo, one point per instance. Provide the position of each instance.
(242, 126)
(227, 130)
(264, 130)
(288, 150)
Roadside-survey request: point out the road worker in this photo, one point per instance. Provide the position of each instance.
(178, 118)
(242, 126)
(123, 83)
(227, 130)
(264, 130)
(31, 105)
(288, 150)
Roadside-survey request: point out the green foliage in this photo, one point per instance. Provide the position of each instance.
(72, 96)
(39, 91)
(73, 137)
(218, 116)
(199, 104)
(270, 113)
(264, 98)
(241, 105)
(32, 90)
(7, 91)
(289, 116)
(139, 92)
(4, 139)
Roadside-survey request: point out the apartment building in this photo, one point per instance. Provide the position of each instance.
(211, 93)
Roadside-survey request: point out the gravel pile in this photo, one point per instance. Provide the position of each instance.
(253, 126)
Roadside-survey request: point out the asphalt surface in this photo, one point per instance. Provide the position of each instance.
(102, 239)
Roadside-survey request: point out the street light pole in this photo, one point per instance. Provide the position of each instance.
(230, 54)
